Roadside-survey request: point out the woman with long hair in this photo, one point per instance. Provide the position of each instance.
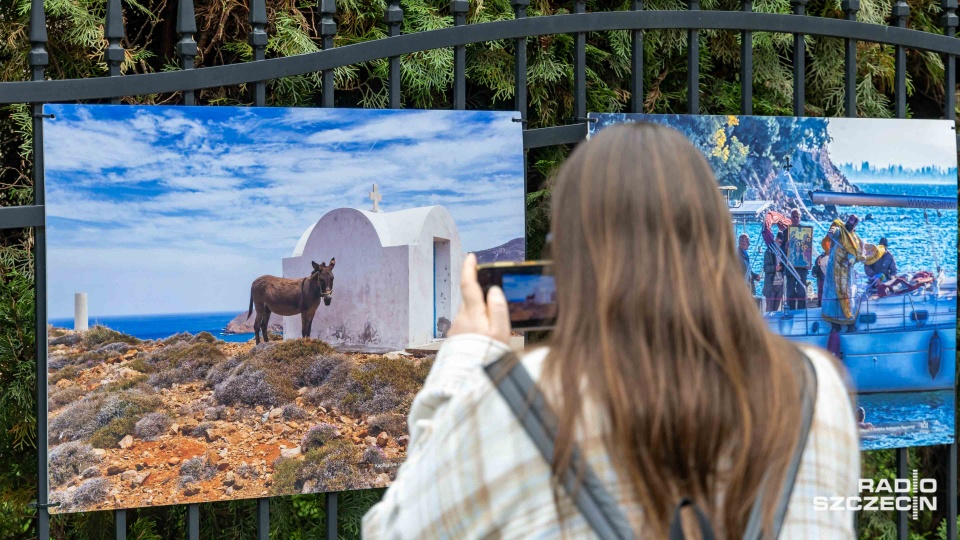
(661, 372)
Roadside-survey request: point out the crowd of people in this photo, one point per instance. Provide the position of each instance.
(786, 285)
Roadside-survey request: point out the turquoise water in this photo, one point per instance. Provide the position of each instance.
(164, 326)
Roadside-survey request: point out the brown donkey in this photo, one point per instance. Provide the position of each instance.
(271, 294)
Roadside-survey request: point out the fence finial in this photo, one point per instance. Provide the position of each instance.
(113, 31)
(38, 57)
(900, 13)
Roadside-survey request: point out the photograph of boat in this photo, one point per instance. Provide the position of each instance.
(880, 293)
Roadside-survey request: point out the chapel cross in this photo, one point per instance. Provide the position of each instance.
(376, 197)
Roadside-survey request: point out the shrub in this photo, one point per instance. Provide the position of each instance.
(126, 383)
(201, 430)
(198, 468)
(64, 339)
(285, 362)
(62, 396)
(393, 423)
(247, 471)
(332, 467)
(90, 472)
(250, 388)
(99, 335)
(386, 400)
(141, 365)
(88, 494)
(320, 368)
(215, 413)
(183, 362)
(76, 421)
(292, 412)
(118, 416)
(70, 459)
(152, 426)
(67, 372)
(222, 371)
(204, 337)
(318, 436)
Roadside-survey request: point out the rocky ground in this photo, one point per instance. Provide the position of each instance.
(181, 443)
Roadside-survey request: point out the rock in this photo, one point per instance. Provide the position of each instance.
(228, 491)
(322, 409)
(191, 491)
(383, 439)
(140, 479)
(213, 435)
(126, 442)
(357, 440)
(63, 383)
(213, 458)
(276, 413)
(290, 452)
(173, 461)
(308, 486)
(382, 480)
(128, 476)
(99, 452)
(279, 428)
(346, 420)
(126, 372)
(114, 469)
(396, 355)
(223, 465)
(302, 390)
(239, 483)
(403, 440)
(229, 479)
(370, 441)
(175, 429)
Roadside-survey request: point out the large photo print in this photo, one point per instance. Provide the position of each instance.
(242, 302)
(847, 232)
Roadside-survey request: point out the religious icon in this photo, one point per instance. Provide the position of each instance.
(800, 246)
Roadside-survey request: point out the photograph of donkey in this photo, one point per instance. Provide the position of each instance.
(271, 294)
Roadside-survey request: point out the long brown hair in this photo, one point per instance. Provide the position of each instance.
(657, 326)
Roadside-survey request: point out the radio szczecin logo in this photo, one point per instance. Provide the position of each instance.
(900, 494)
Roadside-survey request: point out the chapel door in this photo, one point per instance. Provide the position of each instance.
(442, 287)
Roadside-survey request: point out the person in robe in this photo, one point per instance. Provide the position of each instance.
(820, 273)
(845, 250)
(796, 290)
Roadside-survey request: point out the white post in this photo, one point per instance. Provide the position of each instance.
(80, 320)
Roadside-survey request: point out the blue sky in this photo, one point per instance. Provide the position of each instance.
(177, 209)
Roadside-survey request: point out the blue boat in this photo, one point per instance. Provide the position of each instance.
(902, 342)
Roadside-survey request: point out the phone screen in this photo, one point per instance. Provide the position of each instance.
(530, 291)
(530, 296)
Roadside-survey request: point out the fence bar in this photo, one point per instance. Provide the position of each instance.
(328, 29)
(900, 12)
(902, 465)
(394, 19)
(38, 59)
(520, 62)
(693, 64)
(113, 31)
(258, 42)
(952, 485)
(850, 7)
(120, 524)
(193, 521)
(799, 62)
(746, 65)
(263, 519)
(636, 70)
(950, 22)
(187, 47)
(579, 67)
(459, 10)
(331, 503)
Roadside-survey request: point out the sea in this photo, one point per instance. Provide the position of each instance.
(916, 242)
(163, 326)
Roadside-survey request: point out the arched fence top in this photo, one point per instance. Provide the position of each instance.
(234, 74)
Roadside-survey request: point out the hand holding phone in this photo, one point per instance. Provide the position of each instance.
(482, 311)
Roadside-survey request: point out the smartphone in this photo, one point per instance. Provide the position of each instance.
(529, 288)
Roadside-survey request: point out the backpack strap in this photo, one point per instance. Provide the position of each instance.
(527, 403)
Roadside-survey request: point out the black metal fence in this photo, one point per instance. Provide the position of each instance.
(256, 73)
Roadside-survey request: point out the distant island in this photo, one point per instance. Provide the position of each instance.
(242, 325)
(897, 173)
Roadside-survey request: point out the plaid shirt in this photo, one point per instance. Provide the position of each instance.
(472, 472)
